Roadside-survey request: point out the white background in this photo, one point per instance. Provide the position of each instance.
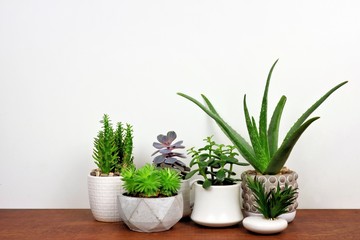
(63, 64)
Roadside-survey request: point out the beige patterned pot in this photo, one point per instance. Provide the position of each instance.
(103, 192)
(151, 214)
(286, 176)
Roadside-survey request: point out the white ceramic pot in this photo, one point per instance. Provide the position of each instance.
(264, 226)
(218, 206)
(151, 214)
(103, 192)
(185, 190)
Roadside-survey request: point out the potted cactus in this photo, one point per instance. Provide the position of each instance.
(271, 204)
(264, 153)
(112, 153)
(217, 196)
(167, 158)
(151, 202)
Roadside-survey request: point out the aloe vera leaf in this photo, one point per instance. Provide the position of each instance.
(312, 109)
(241, 144)
(261, 162)
(273, 131)
(282, 154)
(239, 138)
(263, 114)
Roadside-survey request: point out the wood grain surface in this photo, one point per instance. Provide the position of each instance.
(79, 224)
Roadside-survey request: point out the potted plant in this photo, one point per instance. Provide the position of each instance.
(112, 153)
(271, 204)
(264, 153)
(217, 196)
(151, 202)
(167, 158)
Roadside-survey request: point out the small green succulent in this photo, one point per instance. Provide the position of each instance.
(215, 163)
(113, 149)
(273, 203)
(150, 181)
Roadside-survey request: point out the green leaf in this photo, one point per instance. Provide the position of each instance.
(190, 174)
(244, 148)
(273, 132)
(220, 175)
(263, 116)
(261, 162)
(206, 184)
(282, 154)
(302, 119)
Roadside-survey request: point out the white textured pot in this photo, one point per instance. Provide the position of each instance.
(264, 226)
(151, 214)
(103, 192)
(218, 206)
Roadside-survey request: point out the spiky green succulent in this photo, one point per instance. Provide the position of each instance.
(263, 153)
(124, 141)
(112, 150)
(105, 148)
(150, 181)
(273, 203)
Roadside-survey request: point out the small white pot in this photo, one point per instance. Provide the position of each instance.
(289, 217)
(151, 214)
(103, 192)
(264, 226)
(218, 206)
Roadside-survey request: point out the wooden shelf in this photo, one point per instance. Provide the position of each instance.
(79, 224)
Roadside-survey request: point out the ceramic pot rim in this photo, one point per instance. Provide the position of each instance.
(237, 183)
(89, 175)
(123, 195)
(252, 172)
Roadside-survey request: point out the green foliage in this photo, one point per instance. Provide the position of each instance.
(113, 149)
(215, 163)
(124, 141)
(273, 203)
(149, 181)
(105, 149)
(264, 154)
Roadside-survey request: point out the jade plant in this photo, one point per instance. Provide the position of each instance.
(215, 163)
(273, 203)
(150, 181)
(264, 153)
(168, 158)
(112, 150)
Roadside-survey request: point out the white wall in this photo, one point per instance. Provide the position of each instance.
(65, 63)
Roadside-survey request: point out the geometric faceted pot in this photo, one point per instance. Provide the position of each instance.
(151, 214)
(285, 176)
(217, 206)
(103, 192)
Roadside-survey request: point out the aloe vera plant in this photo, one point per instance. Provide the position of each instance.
(264, 153)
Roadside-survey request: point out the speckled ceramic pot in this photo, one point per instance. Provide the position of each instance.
(271, 181)
(151, 214)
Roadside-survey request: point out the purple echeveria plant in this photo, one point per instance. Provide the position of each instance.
(167, 157)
